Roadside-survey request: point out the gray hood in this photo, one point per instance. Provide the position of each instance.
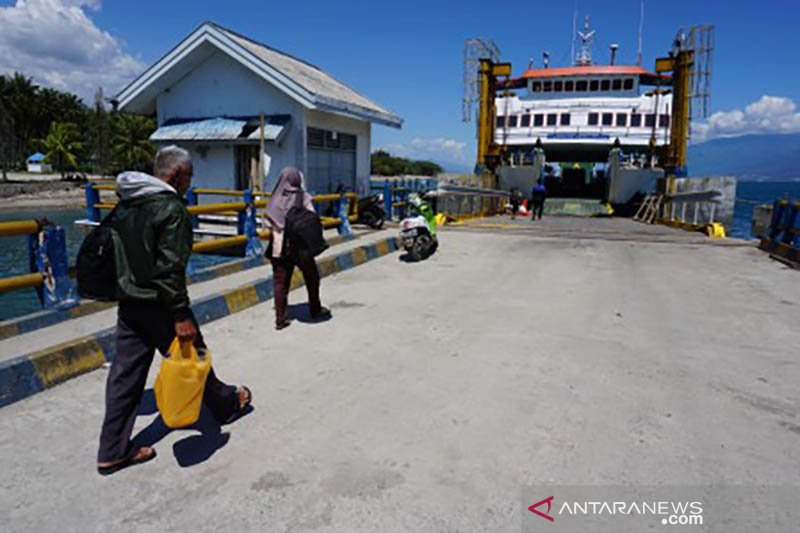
(138, 184)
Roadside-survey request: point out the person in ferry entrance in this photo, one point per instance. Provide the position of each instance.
(538, 197)
(152, 232)
(288, 193)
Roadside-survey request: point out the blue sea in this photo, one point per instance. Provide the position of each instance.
(751, 193)
(14, 256)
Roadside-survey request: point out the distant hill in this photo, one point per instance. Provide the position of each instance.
(775, 157)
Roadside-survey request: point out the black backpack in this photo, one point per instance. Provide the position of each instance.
(304, 230)
(96, 271)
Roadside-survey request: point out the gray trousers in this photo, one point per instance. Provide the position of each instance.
(143, 328)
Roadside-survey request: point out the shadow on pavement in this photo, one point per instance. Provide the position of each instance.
(302, 313)
(189, 451)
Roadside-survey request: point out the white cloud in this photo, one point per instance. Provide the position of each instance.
(437, 148)
(58, 45)
(770, 114)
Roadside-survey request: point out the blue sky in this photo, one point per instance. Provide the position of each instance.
(407, 56)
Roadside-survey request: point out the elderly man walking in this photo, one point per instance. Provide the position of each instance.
(152, 244)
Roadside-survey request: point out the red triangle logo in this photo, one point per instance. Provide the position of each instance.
(534, 510)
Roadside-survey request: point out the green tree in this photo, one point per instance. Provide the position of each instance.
(131, 146)
(7, 141)
(63, 146)
(383, 163)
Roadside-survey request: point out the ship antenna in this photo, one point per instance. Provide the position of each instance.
(574, 32)
(587, 36)
(641, 24)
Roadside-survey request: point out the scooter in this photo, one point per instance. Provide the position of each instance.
(371, 212)
(418, 232)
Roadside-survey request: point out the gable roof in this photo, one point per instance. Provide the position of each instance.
(302, 81)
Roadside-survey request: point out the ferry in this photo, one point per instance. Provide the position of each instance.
(577, 114)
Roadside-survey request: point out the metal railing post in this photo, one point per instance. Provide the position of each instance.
(387, 198)
(92, 198)
(342, 207)
(253, 246)
(47, 251)
(192, 199)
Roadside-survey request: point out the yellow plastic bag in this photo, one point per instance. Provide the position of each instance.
(180, 384)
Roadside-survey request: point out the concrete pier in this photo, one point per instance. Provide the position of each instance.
(573, 352)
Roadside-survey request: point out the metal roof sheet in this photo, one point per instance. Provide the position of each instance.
(221, 129)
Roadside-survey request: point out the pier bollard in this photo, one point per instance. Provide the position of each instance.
(47, 251)
(253, 246)
(92, 198)
(192, 199)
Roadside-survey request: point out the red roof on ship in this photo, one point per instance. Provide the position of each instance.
(594, 70)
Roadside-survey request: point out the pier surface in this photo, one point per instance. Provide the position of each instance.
(571, 352)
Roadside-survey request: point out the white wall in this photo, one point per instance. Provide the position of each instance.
(222, 87)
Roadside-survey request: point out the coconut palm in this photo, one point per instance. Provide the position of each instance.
(130, 142)
(62, 146)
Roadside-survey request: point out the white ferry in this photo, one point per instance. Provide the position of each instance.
(578, 113)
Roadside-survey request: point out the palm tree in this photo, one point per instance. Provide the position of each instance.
(62, 146)
(130, 142)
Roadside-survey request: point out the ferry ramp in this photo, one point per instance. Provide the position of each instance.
(571, 352)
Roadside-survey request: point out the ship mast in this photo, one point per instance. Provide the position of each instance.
(584, 57)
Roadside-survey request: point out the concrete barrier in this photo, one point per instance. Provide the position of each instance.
(29, 374)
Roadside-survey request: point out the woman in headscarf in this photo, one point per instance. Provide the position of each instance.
(280, 252)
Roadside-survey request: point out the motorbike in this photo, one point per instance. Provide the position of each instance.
(371, 212)
(418, 232)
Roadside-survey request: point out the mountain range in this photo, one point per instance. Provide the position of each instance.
(770, 157)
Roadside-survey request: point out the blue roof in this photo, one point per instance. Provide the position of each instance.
(222, 129)
(38, 157)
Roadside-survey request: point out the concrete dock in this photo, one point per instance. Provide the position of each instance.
(570, 351)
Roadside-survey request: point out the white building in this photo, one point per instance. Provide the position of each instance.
(36, 164)
(209, 92)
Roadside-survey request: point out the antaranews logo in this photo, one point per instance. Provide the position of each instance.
(670, 512)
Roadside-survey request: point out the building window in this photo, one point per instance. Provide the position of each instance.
(649, 120)
(565, 119)
(663, 121)
(569, 86)
(594, 85)
(525, 122)
(608, 119)
(628, 84)
(499, 122)
(616, 84)
(551, 119)
(512, 121)
(605, 85)
(622, 119)
(558, 86)
(536, 87)
(548, 86)
(636, 120)
(580, 85)
(316, 137)
(538, 119)
(593, 117)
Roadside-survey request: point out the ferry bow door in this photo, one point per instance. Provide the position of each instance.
(331, 160)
